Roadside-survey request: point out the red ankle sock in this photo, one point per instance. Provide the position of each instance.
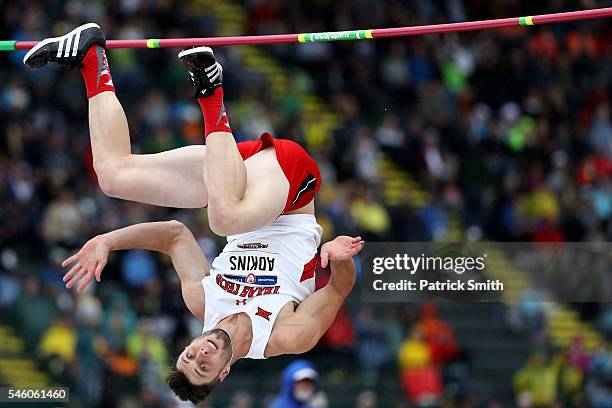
(215, 118)
(95, 72)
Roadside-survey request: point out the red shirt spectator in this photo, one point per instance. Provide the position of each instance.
(439, 335)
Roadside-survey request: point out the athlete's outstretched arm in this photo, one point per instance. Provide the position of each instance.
(170, 237)
(313, 316)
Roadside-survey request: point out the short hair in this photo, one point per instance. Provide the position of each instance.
(185, 390)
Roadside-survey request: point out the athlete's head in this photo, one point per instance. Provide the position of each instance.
(203, 364)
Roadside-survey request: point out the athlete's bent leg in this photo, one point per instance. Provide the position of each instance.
(235, 204)
(170, 179)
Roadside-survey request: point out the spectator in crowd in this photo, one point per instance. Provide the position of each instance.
(341, 336)
(118, 321)
(63, 221)
(599, 384)
(149, 350)
(120, 375)
(393, 332)
(371, 217)
(438, 334)
(536, 383)
(530, 314)
(366, 399)
(300, 387)
(571, 379)
(371, 344)
(419, 375)
(577, 355)
(59, 340)
(90, 348)
(33, 311)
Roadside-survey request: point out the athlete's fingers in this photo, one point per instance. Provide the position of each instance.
(99, 268)
(85, 282)
(71, 271)
(76, 278)
(324, 259)
(69, 260)
(355, 240)
(356, 247)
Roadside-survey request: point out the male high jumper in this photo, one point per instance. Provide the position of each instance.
(258, 298)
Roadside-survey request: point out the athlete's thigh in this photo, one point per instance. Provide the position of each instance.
(267, 189)
(173, 178)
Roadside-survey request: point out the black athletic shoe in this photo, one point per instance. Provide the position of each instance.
(205, 72)
(67, 50)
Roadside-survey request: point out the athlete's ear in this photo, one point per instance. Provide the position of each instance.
(224, 373)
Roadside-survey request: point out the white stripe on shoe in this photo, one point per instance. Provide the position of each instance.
(60, 48)
(75, 48)
(212, 75)
(49, 40)
(213, 72)
(67, 46)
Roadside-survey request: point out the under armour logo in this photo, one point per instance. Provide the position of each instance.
(243, 302)
(263, 313)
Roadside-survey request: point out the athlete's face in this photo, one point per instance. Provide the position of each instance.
(206, 357)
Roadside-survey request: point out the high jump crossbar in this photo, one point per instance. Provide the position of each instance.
(350, 35)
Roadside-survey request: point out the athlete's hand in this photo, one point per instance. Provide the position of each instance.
(90, 261)
(340, 249)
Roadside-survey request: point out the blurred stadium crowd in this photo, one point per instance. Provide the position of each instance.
(508, 131)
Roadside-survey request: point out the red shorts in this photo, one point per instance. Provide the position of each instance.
(300, 169)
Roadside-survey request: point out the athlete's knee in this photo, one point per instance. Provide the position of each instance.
(108, 177)
(223, 217)
(105, 177)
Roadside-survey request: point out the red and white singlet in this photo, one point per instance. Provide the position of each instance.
(259, 272)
